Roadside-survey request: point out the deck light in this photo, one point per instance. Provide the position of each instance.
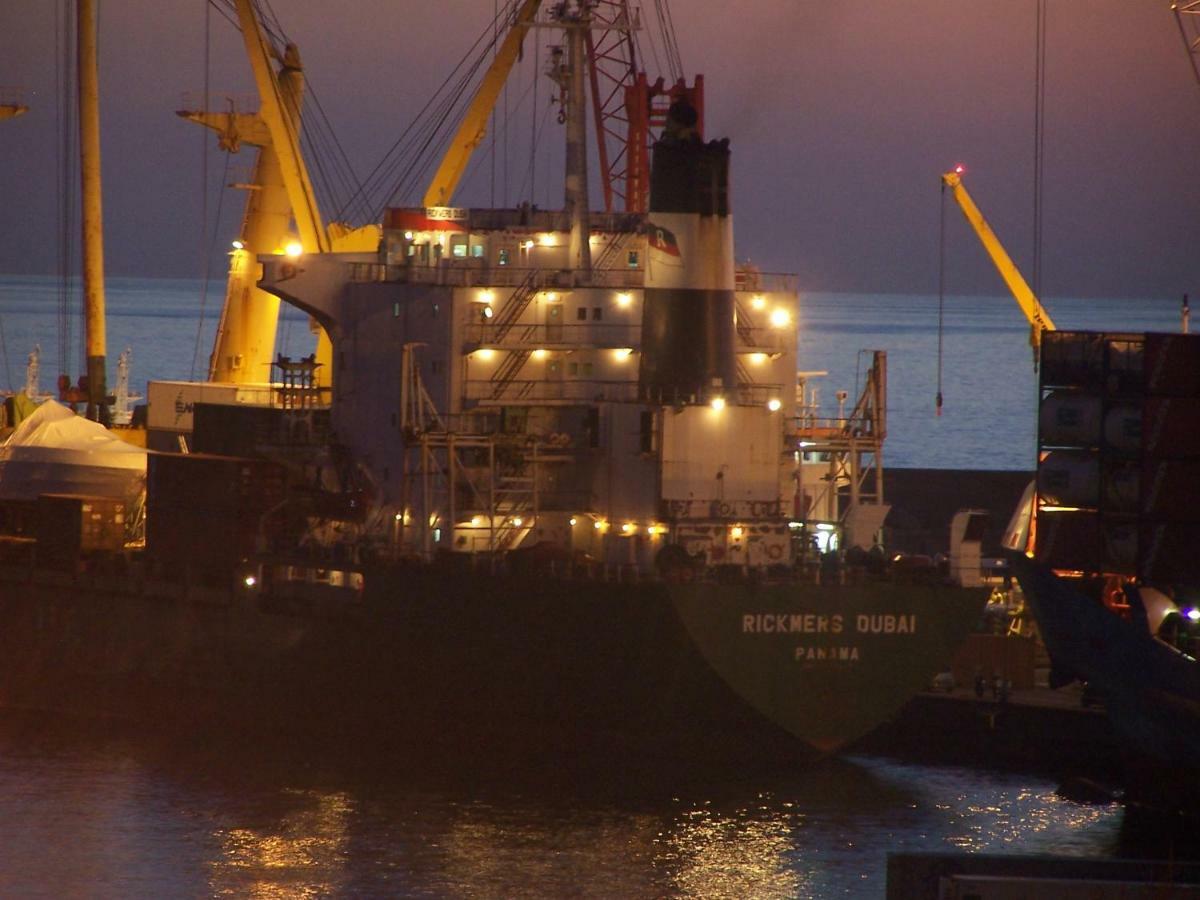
(718, 403)
(518, 521)
(293, 249)
(780, 317)
(773, 404)
(486, 296)
(572, 521)
(624, 298)
(758, 358)
(622, 353)
(628, 528)
(539, 353)
(546, 240)
(1194, 614)
(485, 353)
(487, 312)
(250, 581)
(758, 301)
(528, 245)
(238, 245)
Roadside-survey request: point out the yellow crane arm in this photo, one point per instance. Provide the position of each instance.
(473, 127)
(282, 124)
(1039, 319)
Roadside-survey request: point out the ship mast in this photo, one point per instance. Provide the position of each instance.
(93, 227)
(575, 21)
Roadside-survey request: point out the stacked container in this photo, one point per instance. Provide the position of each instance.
(1119, 453)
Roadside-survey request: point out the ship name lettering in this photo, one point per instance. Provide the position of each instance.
(886, 624)
(791, 623)
(826, 654)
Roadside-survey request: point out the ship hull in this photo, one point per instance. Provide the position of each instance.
(444, 658)
(1151, 690)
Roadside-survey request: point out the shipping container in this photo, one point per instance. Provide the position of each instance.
(71, 527)
(1173, 365)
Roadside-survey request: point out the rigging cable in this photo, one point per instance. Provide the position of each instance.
(204, 248)
(941, 294)
(1039, 124)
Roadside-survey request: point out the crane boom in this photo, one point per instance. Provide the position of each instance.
(473, 127)
(1039, 319)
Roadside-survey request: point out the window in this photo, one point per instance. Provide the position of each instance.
(505, 255)
(634, 259)
(395, 310)
(586, 370)
(573, 368)
(581, 313)
(597, 313)
(458, 246)
(477, 251)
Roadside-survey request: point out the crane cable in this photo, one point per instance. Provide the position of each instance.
(941, 294)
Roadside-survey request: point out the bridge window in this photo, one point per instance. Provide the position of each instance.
(581, 313)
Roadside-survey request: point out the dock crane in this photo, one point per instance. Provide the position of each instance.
(281, 193)
(1039, 319)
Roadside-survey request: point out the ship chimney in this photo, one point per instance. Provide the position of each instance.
(688, 309)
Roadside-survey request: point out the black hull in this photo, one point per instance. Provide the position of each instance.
(1151, 690)
(451, 659)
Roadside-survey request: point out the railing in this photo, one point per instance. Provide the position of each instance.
(473, 273)
(764, 282)
(591, 391)
(555, 336)
(594, 391)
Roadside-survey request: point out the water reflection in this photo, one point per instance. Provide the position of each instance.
(300, 853)
(113, 819)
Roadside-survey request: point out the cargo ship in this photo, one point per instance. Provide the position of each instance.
(1111, 573)
(553, 481)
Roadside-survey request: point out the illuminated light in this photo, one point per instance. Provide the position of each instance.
(758, 358)
(624, 299)
(780, 317)
(518, 521)
(546, 240)
(805, 444)
(825, 526)
(293, 249)
(250, 581)
(959, 169)
(1193, 614)
(774, 405)
(622, 353)
(572, 521)
(539, 353)
(736, 532)
(758, 301)
(238, 245)
(1060, 509)
(485, 353)
(551, 297)
(486, 296)
(399, 516)
(601, 526)
(528, 245)
(487, 312)
(628, 528)
(657, 529)
(476, 521)
(408, 235)
(718, 403)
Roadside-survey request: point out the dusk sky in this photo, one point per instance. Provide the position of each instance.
(841, 115)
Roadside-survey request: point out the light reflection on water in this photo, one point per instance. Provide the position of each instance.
(112, 818)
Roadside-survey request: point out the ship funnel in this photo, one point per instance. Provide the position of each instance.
(688, 312)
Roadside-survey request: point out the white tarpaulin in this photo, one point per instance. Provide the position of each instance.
(54, 451)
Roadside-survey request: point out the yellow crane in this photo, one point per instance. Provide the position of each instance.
(473, 128)
(281, 193)
(1039, 319)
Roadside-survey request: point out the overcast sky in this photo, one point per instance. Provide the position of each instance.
(841, 115)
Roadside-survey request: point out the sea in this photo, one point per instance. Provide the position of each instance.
(91, 812)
